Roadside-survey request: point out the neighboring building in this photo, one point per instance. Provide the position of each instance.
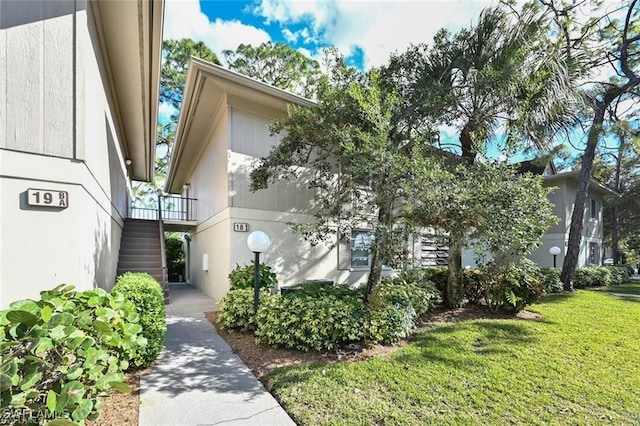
(222, 131)
(78, 112)
(563, 197)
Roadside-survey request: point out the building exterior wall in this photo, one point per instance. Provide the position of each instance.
(238, 139)
(57, 132)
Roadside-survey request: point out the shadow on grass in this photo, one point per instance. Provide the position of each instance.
(495, 337)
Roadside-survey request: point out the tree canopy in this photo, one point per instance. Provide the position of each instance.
(276, 64)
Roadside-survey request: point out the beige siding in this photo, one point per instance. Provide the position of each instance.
(211, 238)
(38, 65)
(250, 139)
(41, 248)
(209, 180)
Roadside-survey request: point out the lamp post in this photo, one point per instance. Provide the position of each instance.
(555, 250)
(258, 242)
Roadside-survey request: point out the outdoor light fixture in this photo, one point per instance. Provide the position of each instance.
(187, 185)
(554, 251)
(127, 162)
(258, 242)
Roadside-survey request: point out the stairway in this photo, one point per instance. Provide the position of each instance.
(140, 248)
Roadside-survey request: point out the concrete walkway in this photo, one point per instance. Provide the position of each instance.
(198, 380)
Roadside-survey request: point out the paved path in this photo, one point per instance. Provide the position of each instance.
(198, 380)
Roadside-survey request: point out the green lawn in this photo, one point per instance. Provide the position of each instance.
(579, 364)
(628, 288)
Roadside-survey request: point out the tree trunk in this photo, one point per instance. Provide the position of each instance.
(454, 282)
(570, 263)
(615, 210)
(466, 145)
(381, 238)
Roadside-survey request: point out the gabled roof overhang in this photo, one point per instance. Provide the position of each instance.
(207, 89)
(130, 37)
(595, 187)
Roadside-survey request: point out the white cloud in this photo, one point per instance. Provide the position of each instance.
(185, 19)
(165, 112)
(377, 27)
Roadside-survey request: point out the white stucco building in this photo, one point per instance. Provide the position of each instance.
(78, 111)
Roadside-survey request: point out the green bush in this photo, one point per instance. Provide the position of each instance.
(174, 247)
(237, 311)
(439, 276)
(618, 274)
(324, 320)
(550, 279)
(389, 323)
(243, 276)
(147, 296)
(510, 288)
(421, 293)
(390, 314)
(596, 276)
(472, 285)
(59, 353)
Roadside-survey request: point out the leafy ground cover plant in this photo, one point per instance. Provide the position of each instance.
(148, 299)
(59, 353)
(243, 276)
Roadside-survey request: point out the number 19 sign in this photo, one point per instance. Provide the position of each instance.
(47, 198)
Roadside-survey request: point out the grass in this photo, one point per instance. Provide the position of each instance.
(627, 288)
(578, 365)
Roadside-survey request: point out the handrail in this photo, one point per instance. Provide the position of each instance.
(174, 209)
(163, 254)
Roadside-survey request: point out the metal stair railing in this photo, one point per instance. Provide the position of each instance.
(174, 209)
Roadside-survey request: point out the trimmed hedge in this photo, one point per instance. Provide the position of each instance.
(147, 296)
(322, 320)
(510, 289)
(236, 309)
(596, 276)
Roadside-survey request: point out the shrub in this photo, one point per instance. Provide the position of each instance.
(389, 324)
(550, 279)
(243, 276)
(595, 276)
(174, 248)
(324, 320)
(472, 285)
(390, 314)
(439, 276)
(421, 293)
(59, 353)
(509, 288)
(237, 311)
(147, 296)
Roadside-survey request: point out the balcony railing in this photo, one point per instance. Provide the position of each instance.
(174, 209)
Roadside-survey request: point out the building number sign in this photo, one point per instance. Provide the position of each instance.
(47, 198)
(240, 227)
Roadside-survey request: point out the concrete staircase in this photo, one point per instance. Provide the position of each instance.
(140, 248)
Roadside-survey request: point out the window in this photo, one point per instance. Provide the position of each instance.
(594, 209)
(361, 249)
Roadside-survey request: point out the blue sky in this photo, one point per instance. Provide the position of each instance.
(366, 32)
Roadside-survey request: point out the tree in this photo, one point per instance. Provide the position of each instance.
(175, 55)
(503, 73)
(502, 215)
(604, 40)
(276, 64)
(347, 148)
